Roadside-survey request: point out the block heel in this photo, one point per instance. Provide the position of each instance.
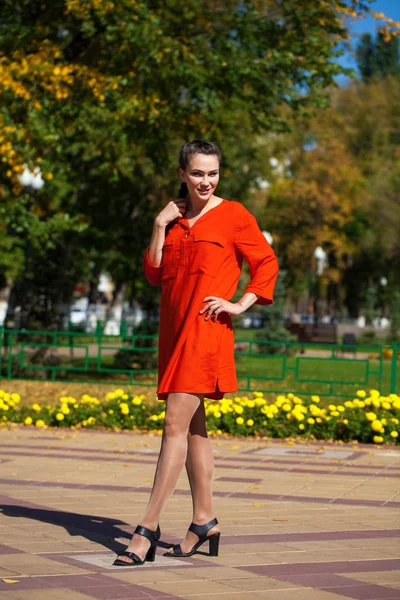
(214, 544)
(151, 554)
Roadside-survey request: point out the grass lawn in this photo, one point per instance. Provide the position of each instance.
(315, 372)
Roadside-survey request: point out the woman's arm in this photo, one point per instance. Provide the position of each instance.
(174, 210)
(263, 269)
(152, 263)
(216, 305)
(156, 244)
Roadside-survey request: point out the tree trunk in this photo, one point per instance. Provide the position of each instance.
(5, 293)
(114, 317)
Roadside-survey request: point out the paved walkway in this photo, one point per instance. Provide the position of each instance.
(300, 521)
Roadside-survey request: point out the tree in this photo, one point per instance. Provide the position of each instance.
(341, 192)
(378, 57)
(273, 329)
(100, 95)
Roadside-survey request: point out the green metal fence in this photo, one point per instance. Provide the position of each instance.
(276, 367)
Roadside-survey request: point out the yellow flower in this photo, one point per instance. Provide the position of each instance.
(395, 421)
(65, 409)
(137, 401)
(376, 425)
(374, 393)
(125, 396)
(59, 416)
(217, 414)
(310, 421)
(36, 407)
(298, 416)
(28, 421)
(376, 402)
(124, 408)
(386, 405)
(335, 413)
(301, 426)
(154, 418)
(349, 404)
(346, 421)
(340, 408)
(238, 409)
(370, 416)
(361, 393)
(110, 411)
(40, 423)
(394, 434)
(359, 403)
(240, 420)
(286, 407)
(250, 422)
(315, 399)
(319, 420)
(15, 398)
(377, 439)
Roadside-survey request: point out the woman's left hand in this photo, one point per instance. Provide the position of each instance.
(216, 305)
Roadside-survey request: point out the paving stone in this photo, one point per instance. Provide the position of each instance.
(309, 521)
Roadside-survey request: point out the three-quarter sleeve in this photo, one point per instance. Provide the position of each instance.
(152, 274)
(253, 246)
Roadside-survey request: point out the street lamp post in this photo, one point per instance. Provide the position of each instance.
(32, 182)
(383, 281)
(320, 257)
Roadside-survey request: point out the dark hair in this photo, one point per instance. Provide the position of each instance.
(190, 149)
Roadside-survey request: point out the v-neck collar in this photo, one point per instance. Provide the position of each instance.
(203, 215)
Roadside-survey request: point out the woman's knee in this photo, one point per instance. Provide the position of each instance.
(175, 426)
(179, 413)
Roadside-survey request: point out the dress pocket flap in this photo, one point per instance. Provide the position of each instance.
(214, 238)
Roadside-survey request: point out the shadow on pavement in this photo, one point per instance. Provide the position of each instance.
(96, 529)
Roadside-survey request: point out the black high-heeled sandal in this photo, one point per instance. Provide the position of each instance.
(201, 532)
(153, 537)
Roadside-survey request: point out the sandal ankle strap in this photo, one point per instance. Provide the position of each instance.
(202, 530)
(152, 536)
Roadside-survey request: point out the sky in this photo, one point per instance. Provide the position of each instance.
(390, 8)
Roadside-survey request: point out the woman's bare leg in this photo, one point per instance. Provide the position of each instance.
(179, 412)
(200, 469)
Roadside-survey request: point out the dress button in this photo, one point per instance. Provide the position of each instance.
(187, 234)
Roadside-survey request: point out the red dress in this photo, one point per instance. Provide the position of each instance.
(195, 355)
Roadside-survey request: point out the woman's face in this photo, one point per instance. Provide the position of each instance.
(201, 176)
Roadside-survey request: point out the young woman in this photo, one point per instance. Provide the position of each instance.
(196, 252)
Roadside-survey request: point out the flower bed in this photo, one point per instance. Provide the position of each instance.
(369, 417)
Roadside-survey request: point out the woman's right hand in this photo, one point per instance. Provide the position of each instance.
(174, 210)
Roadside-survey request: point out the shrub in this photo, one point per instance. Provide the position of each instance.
(368, 417)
